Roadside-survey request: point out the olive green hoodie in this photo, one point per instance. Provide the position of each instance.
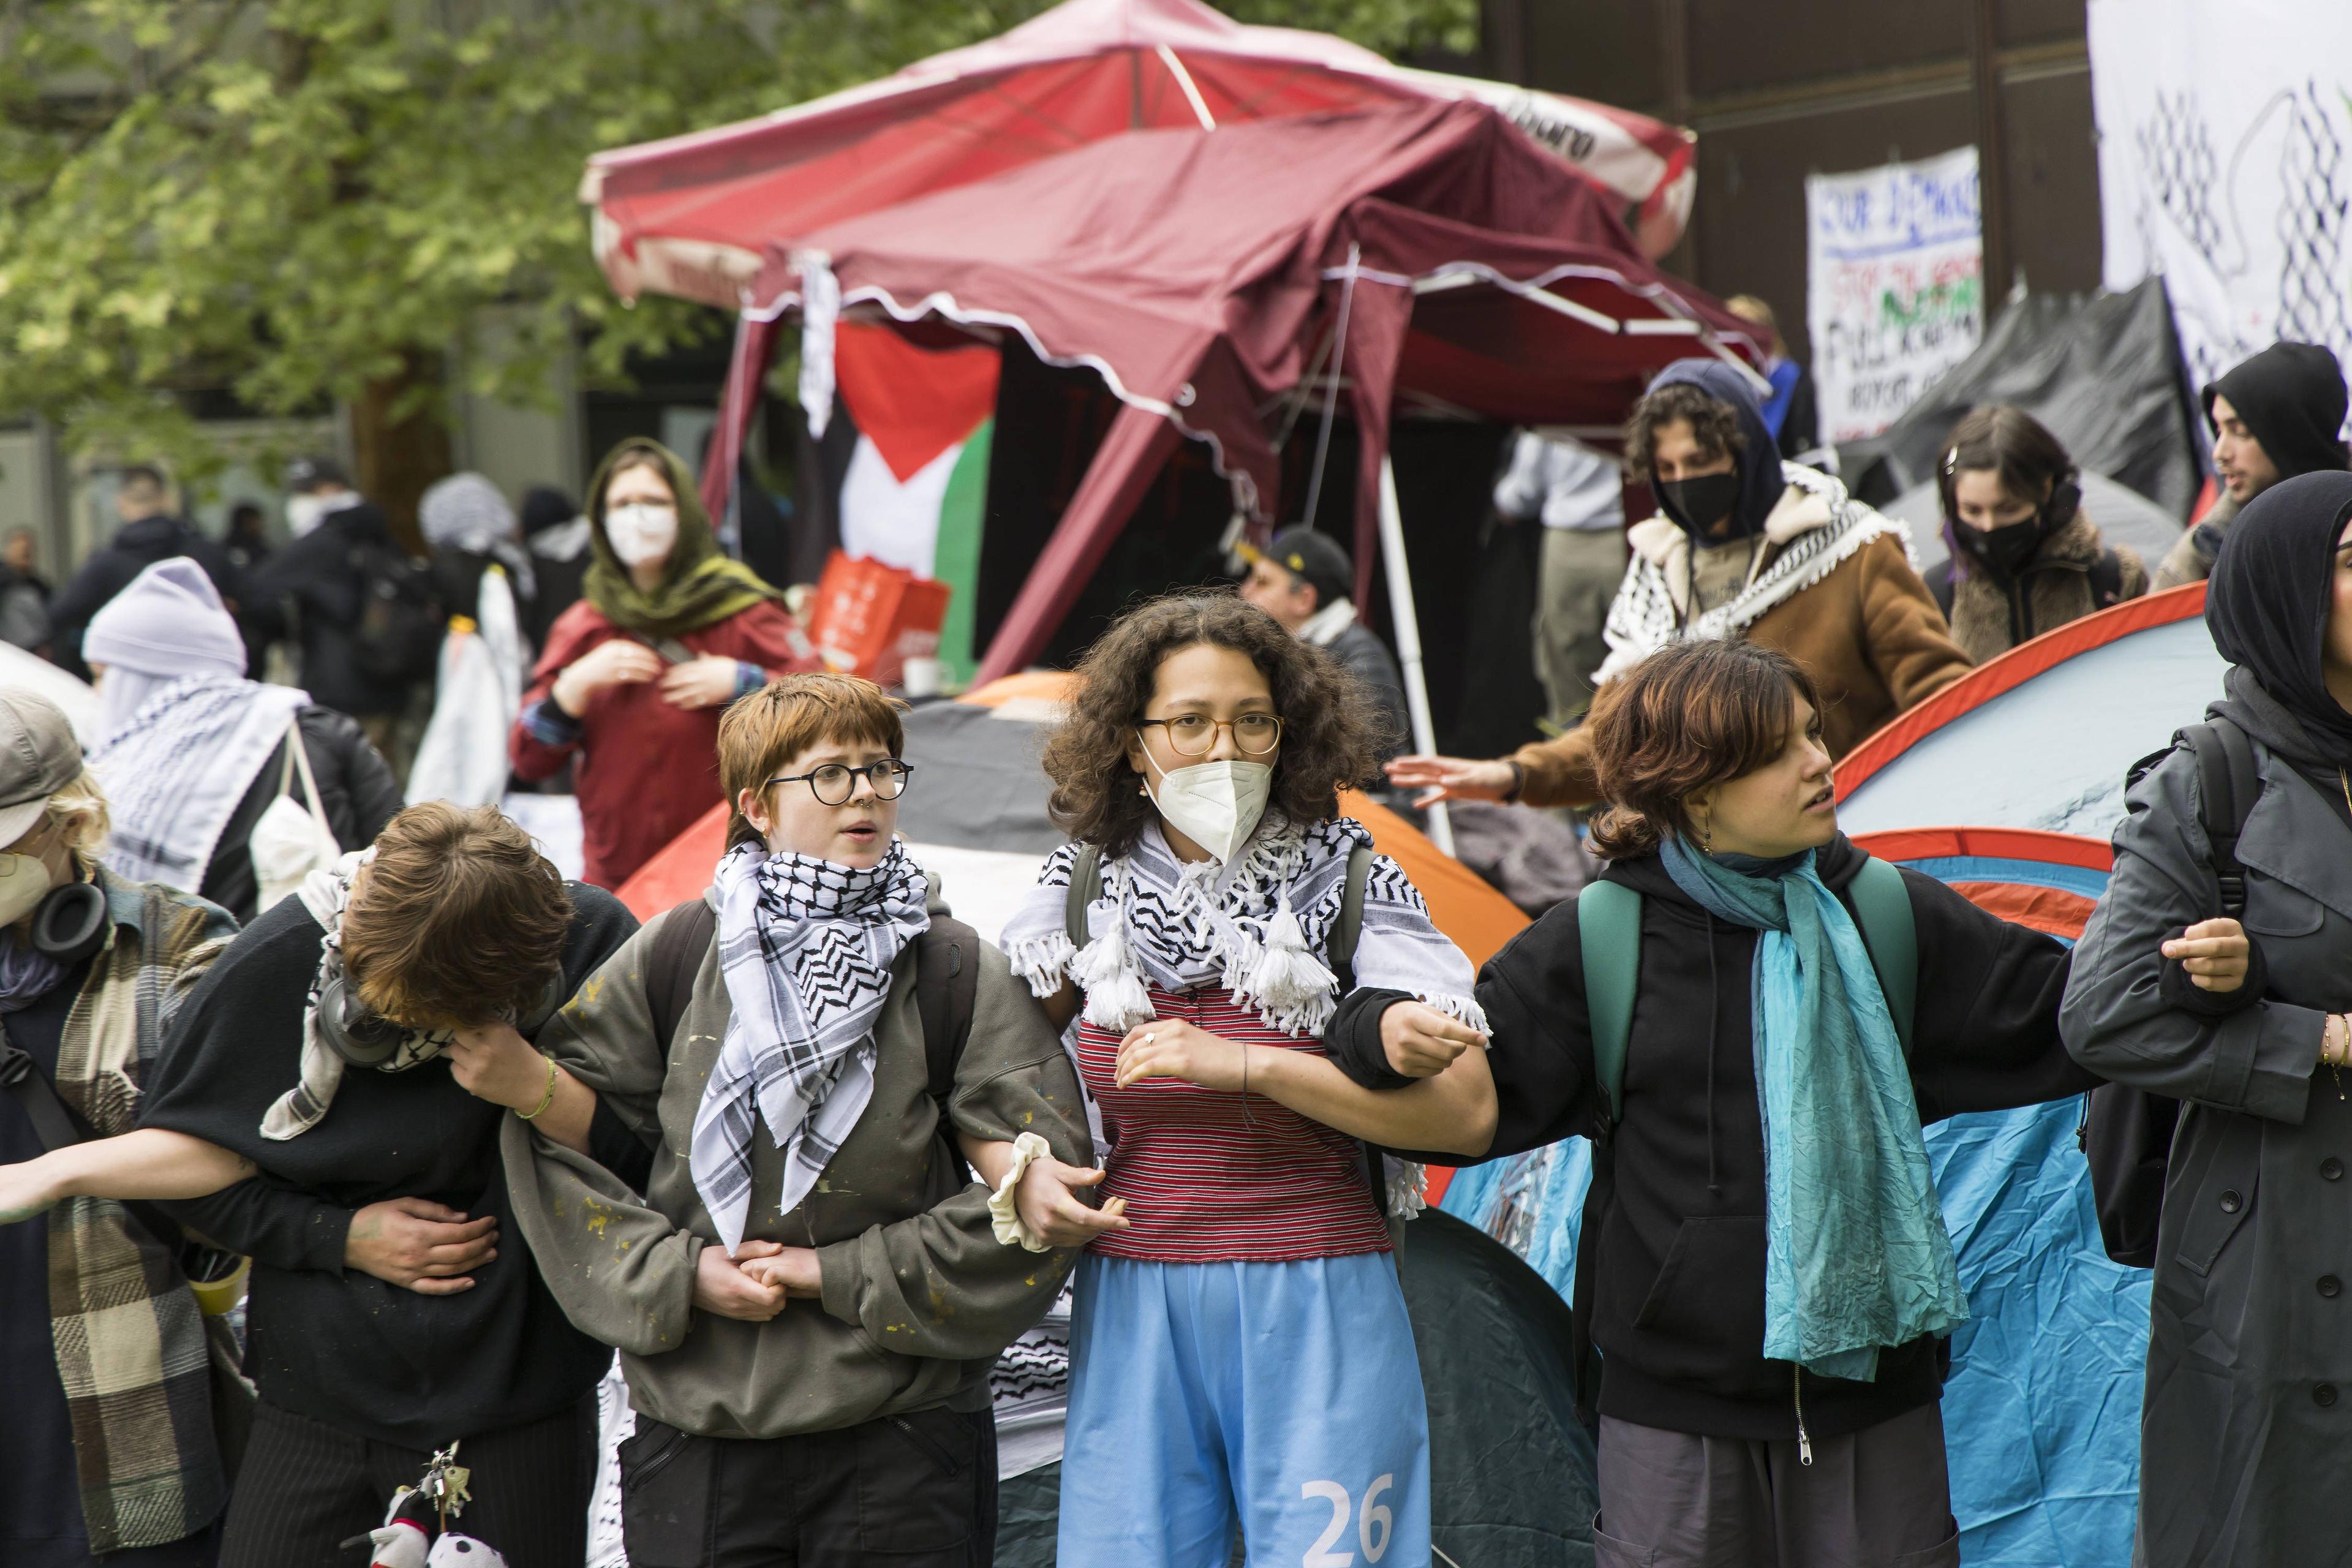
(918, 1295)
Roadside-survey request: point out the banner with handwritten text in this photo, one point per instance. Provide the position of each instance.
(1895, 285)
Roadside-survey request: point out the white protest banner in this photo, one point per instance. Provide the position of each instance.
(1895, 285)
(2225, 164)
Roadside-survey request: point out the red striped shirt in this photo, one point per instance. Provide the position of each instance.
(1210, 1175)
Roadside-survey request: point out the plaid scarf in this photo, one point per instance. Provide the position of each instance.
(805, 948)
(325, 893)
(130, 1345)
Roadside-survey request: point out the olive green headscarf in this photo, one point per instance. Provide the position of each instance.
(700, 587)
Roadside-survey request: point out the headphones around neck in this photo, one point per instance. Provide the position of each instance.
(70, 922)
(366, 1038)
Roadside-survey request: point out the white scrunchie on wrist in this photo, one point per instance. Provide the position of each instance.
(1003, 1211)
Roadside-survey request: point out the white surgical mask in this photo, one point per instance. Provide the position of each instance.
(1214, 805)
(24, 883)
(304, 512)
(641, 534)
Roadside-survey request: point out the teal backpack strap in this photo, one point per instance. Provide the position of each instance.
(1086, 887)
(1609, 931)
(1882, 908)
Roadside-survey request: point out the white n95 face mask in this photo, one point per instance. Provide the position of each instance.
(1215, 804)
(24, 883)
(641, 534)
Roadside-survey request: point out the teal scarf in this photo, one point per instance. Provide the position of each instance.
(1856, 1257)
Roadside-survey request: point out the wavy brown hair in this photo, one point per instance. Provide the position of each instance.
(457, 922)
(1714, 424)
(1691, 714)
(1331, 733)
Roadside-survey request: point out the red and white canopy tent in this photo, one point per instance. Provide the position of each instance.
(693, 216)
(1424, 253)
(1429, 250)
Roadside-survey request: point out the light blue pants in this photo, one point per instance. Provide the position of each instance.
(1285, 1397)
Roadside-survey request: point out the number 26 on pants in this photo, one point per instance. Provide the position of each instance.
(1371, 1528)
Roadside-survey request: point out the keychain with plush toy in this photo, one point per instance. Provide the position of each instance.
(421, 1514)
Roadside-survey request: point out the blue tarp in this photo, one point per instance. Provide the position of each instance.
(2042, 1413)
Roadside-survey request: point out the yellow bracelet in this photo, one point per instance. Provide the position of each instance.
(545, 1100)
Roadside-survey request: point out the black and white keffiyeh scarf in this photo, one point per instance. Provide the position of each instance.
(1256, 926)
(325, 893)
(175, 770)
(805, 948)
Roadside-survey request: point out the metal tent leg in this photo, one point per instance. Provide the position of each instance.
(1408, 637)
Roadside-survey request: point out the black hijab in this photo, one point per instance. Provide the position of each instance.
(2267, 606)
(2291, 395)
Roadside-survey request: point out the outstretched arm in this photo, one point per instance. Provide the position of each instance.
(1452, 1112)
(149, 1163)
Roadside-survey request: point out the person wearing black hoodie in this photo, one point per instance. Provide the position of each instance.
(149, 533)
(2278, 415)
(1720, 1439)
(2249, 1357)
(363, 611)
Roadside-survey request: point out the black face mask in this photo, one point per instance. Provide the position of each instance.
(1698, 504)
(2004, 552)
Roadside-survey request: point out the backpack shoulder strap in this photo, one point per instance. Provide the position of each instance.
(1086, 887)
(1882, 908)
(1339, 947)
(2228, 781)
(946, 992)
(1609, 933)
(678, 953)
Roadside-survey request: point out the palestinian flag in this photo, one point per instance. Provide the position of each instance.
(915, 489)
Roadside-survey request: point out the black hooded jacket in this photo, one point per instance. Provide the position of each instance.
(1678, 1309)
(2291, 395)
(323, 575)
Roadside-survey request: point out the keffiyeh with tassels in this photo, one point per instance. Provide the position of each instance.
(805, 948)
(325, 893)
(1256, 926)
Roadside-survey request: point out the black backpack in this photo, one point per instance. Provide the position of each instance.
(2127, 1133)
(396, 636)
(946, 986)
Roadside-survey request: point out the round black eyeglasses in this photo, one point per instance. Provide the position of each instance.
(834, 782)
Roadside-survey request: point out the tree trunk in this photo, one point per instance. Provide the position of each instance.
(395, 458)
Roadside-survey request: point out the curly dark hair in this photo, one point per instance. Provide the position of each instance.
(1714, 423)
(1331, 734)
(1691, 714)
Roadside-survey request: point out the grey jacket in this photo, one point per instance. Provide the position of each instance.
(918, 1295)
(2249, 1400)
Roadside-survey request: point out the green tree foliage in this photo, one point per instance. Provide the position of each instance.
(306, 201)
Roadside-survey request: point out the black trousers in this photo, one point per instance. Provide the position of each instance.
(306, 1487)
(911, 1491)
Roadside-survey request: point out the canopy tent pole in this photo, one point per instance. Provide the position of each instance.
(747, 367)
(1407, 624)
(1129, 458)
